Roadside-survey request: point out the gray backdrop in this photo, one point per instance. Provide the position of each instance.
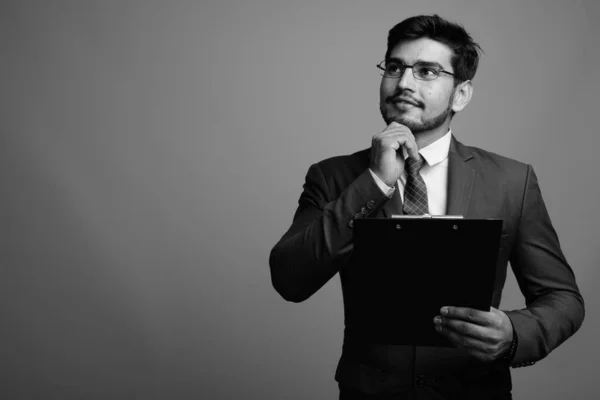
(152, 153)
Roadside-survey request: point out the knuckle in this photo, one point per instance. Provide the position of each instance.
(497, 325)
(464, 328)
(498, 321)
(383, 141)
(497, 337)
(469, 314)
(495, 348)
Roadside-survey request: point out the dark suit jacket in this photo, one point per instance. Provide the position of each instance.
(480, 185)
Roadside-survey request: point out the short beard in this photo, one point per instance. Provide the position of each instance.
(418, 127)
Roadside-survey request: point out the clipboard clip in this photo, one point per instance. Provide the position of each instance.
(425, 216)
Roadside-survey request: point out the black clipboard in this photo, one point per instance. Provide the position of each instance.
(407, 268)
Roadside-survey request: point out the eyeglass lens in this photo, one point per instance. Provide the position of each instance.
(423, 71)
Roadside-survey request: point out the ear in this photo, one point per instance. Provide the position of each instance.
(462, 95)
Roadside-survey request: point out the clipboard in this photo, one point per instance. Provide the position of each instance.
(407, 267)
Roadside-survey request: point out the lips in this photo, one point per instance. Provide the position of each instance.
(405, 100)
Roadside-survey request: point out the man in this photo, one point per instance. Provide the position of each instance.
(427, 78)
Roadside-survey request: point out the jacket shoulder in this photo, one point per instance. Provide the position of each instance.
(498, 162)
(337, 173)
(355, 162)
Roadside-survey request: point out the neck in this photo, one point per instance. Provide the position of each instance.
(425, 138)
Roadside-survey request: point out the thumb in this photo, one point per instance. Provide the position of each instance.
(413, 151)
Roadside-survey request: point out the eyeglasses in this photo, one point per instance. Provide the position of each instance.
(423, 71)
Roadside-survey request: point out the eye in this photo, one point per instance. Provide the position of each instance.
(393, 68)
(427, 72)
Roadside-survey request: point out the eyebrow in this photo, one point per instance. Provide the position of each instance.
(432, 63)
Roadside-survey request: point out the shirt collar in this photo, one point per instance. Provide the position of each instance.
(435, 152)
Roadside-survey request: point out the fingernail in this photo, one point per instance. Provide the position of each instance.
(444, 310)
(437, 320)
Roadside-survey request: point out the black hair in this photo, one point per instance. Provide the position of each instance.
(465, 57)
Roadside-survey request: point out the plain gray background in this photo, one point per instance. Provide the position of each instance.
(152, 153)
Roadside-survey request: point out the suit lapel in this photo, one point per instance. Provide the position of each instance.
(460, 179)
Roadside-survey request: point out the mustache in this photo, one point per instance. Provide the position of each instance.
(403, 97)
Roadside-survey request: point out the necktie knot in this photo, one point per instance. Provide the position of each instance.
(413, 166)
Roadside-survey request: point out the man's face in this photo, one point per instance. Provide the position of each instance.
(432, 100)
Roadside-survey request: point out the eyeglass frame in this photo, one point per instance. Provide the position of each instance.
(406, 66)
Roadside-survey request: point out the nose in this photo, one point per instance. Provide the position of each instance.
(407, 81)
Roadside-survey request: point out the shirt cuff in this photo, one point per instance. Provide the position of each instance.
(388, 191)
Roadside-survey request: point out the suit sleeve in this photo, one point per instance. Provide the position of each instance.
(319, 241)
(554, 307)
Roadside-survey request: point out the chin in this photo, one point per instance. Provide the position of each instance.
(413, 124)
(416, 123)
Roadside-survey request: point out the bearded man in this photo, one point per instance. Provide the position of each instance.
(427, 78)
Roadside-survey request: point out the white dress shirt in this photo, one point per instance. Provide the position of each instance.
(434, 173)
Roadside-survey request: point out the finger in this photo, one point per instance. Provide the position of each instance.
(467, 314)
(395, 141)
(405, 138)
(480, 349)
(490, 334)
(412, 149)
(397, 133)
(463, 341)
(460, 326)
(401, 138)
(481, 333)
(395, 124)
(396, 127)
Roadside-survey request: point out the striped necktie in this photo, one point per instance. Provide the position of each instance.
(415, 191)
